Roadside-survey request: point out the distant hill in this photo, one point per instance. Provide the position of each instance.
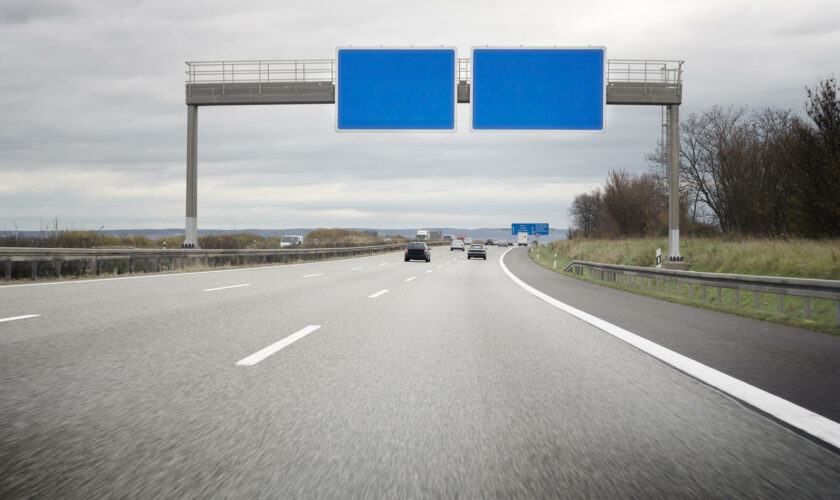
(483, 233)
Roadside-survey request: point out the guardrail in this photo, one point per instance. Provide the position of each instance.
(647, 278)
(55, 262)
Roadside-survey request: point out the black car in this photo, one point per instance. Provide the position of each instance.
(418, 251)
(477, 251)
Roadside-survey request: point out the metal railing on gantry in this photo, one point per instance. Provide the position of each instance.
(324, 70)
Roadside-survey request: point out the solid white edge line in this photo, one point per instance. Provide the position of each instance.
(411, 278)
(377, 294)
(782, 409)
(14, 318)
(313, 275)
(225, 287)
(268, 351)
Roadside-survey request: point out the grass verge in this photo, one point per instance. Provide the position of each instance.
(628, 252)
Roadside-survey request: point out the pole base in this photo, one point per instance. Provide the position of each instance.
(676, 265)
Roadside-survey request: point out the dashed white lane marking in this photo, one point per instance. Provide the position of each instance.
(801, 418)
(377, 294)
(411, 278)
(430, 270)
(313, 275)
(15, 318)
(268, 351)
(383, 264)
(224, 287)
(440, 266)
(355, 268)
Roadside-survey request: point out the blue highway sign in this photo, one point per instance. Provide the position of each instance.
(538, 89)
(530, 228)
(395, 89)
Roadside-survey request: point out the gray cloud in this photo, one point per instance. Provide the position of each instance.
(93, 128)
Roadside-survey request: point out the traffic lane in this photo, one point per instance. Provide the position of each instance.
(81, 305)
(463, 402)
(22, 295)
(86, 383)
(467, 397)
(433, 388)
(795, 364)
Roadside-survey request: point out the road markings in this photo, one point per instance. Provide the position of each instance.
(14, 318)
(782, 409)
(355, 268)
(313, 275)
(440, 266)
(225, 287)
(377, 294)
(411, 278)
(268, 351)
(384, 264)
(430, 270)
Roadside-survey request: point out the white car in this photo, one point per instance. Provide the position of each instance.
(456, 245)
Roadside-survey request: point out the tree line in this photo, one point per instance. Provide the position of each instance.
(760, 173)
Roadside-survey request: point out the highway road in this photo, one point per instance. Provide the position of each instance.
(368, 377)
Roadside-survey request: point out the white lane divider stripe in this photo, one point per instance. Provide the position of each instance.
(440, 266)
(794, 415)
(411, 278)
(268, 351)
(313, 275)
(15, 318)
(355, 268)
(430, 270)
(383, 264)
(225, 287)
(377, 294)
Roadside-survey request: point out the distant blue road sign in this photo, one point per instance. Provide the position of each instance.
(395, 89)
(531, 229)
(538, 89)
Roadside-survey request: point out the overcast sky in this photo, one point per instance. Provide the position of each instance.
(93, 119)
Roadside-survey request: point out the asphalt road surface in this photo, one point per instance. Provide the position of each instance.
(400, 380)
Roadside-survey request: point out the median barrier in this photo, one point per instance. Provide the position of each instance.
(21, 263)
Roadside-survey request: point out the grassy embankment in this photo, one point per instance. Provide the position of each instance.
(762, 257)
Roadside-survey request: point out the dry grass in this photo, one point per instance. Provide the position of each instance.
(791, 258)
(818, 259)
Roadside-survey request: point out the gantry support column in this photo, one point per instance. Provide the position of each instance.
(674, 183)
(191, 239)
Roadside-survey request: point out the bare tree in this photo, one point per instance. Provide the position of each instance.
(816, 164)
(585, 214)
(636, 204)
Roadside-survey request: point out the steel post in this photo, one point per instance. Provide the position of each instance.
(191, 233)
(674, 182)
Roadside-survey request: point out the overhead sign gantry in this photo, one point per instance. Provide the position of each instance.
(625, 82)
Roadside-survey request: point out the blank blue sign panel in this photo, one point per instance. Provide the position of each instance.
(538, 89)
(395, 89)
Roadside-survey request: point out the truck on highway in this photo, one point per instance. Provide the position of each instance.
(522, 239)
(422, 235)
(291, 241)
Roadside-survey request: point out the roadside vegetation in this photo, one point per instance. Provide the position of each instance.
(320, 238)
(817, 259)
(761, 173)
(759, 195)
